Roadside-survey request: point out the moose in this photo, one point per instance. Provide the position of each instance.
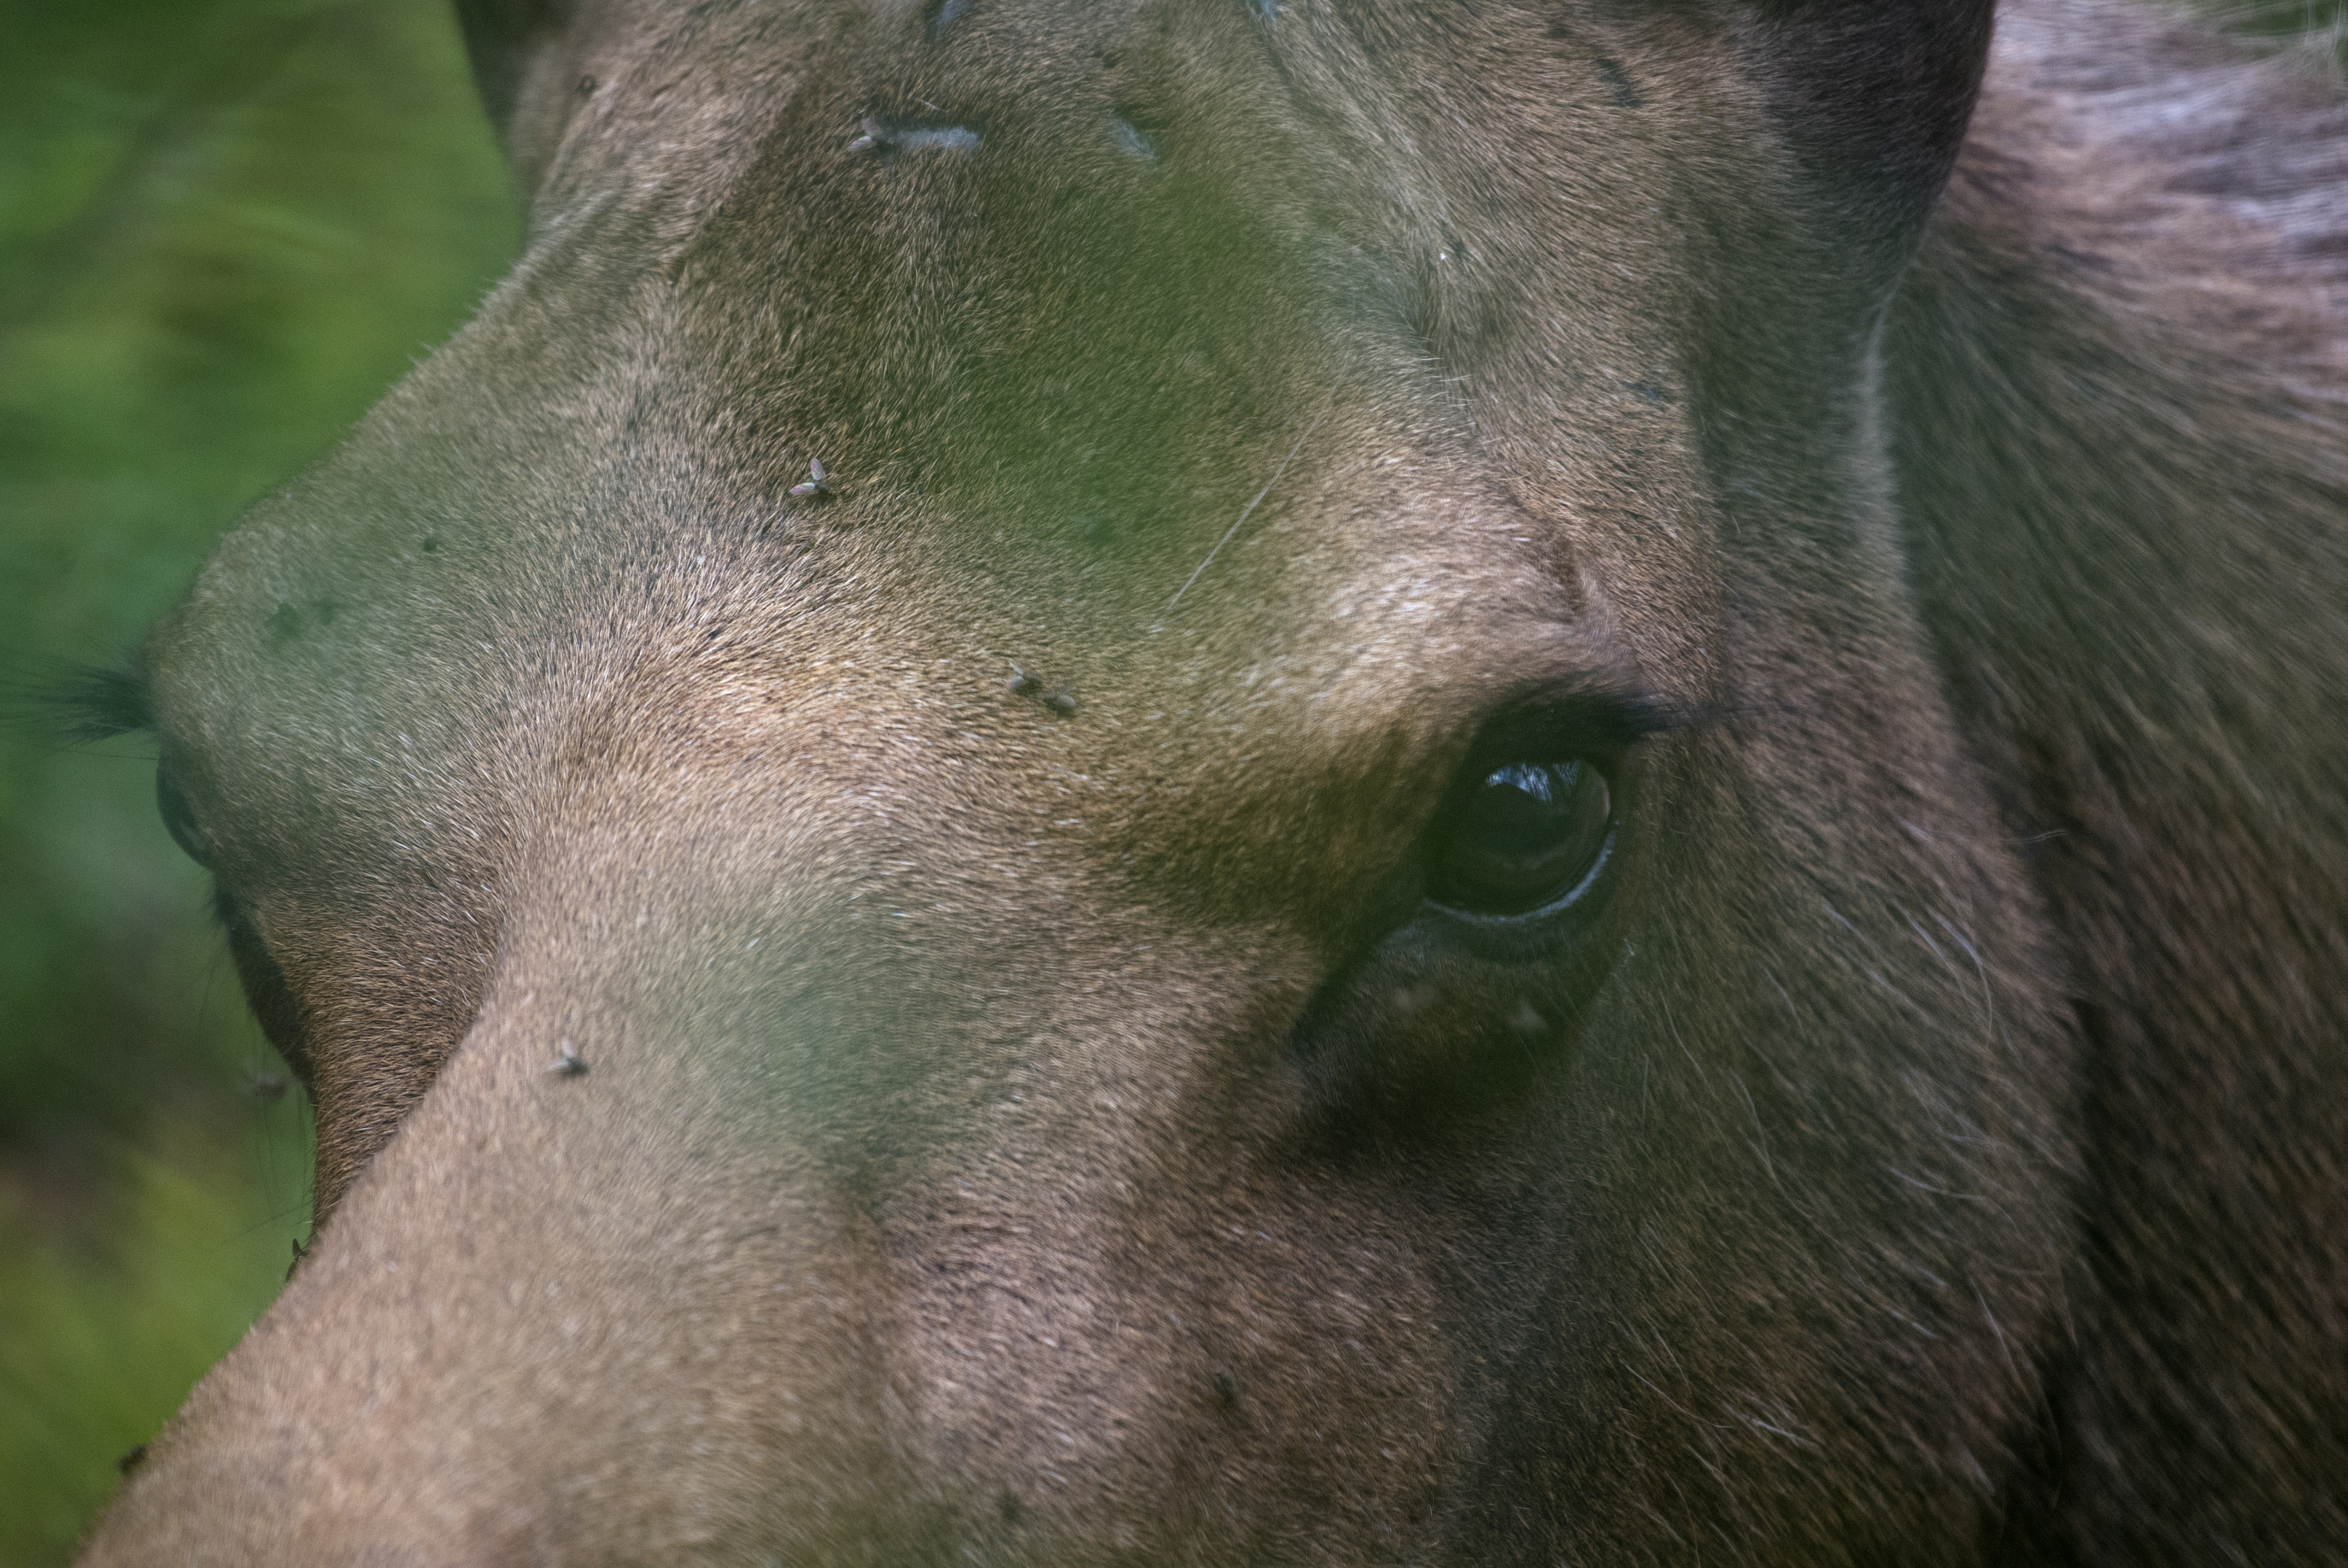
(1311, 782)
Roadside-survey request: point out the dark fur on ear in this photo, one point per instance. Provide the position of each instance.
(498, 38)
(1875, 98)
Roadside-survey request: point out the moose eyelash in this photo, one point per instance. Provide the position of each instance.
(1577, 712)
(91, 702)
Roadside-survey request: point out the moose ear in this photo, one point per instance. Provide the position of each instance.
(504, 38)
(1876, 94)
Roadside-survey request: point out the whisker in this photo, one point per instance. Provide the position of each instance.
(1250, 508)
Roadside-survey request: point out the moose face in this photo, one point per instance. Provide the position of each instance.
(1133, 783)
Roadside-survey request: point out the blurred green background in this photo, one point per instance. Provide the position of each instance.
(225, 226)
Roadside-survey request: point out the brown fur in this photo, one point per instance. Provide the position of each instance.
(1024, 1131)
(2137, 306)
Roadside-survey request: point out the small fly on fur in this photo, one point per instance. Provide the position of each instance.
(817, 482)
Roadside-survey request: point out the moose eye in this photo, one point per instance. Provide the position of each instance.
(1527, 835)
(179, 818)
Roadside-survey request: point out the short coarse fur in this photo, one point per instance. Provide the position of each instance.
(2120, 383)
(1046, 1107)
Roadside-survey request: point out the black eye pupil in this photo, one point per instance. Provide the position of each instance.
(1526, 836)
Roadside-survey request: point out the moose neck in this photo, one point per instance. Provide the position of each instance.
(2113, 511)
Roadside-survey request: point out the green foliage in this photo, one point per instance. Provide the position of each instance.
(100, 1340)
(225, 226)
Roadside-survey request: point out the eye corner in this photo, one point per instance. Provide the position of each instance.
(179, 816)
